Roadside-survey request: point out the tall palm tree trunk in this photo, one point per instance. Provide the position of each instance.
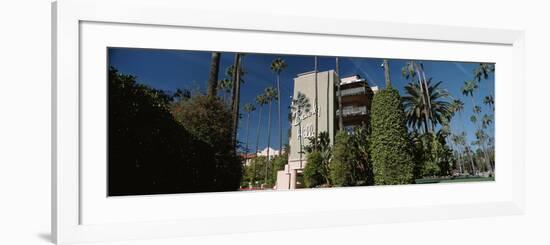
(258, 131)
(460, 158)
(424, 92)
(213, 75)
(316, 106)
(279, 113)
(455, 148)
(387, 73)
(462, 148)
(340, 112)
(427, 96)
(268, 141)
(426, 123)
(257, 143)
(481, 141)
(471, 161)
(236, 97)
(486, 155)
(247, 133)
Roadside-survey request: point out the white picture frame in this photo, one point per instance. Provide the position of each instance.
(72, 23)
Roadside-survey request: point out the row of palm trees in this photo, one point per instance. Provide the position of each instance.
(231, 93)
(300, 105)
(426, 107)
(425, 103)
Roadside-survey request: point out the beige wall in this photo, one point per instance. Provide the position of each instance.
(305, 83)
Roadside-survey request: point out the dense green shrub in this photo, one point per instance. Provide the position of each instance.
(430, 169)
(432, 157)
(342, 162)
(362, 169)
(320, 169)
(313, 172)
(419, 146)
(255, 171)
(150, 152)
(441, 155)
(390, 146)
(209, 120)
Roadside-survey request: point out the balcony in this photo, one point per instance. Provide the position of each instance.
(353, 91)
(353, 111)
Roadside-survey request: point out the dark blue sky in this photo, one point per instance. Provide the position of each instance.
(171, 69)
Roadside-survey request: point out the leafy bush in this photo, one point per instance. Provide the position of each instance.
(313, 172)
(255, 172)
(150, 152)
(209, 120)
(390, 147)
(441, 155)
(362, 171)
(320, 169)
(341, 164)
(431, 155)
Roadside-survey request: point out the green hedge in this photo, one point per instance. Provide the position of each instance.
(341, 164)
(313, 175)
(390, 147)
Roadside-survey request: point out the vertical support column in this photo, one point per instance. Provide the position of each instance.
(293, 179)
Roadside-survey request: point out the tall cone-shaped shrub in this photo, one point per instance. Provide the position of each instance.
(390, 147)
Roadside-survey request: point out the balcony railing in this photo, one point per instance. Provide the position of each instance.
(353, 111)
(353, 91)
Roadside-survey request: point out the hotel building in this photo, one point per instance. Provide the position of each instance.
(356, 99)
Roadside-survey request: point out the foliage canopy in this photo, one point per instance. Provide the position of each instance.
(391, 155)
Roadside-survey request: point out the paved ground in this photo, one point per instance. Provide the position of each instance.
(454, 180)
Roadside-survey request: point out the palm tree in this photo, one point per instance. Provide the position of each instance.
(415, 109)
(482, 139)
(458, 106)
(480, 135)
(462, 141)
(270, 94)
(248, 108)
(488, 100)
(418, 112)
(455, 144)
(213, 75)
(236, 77)
(340, 115)
(277, 66)
(413, 70)
(477, 109)
(483, 70)
(261, 100)
(468, 90)
(225, 85)
(473, 119)
(300, 106)
(486, 121)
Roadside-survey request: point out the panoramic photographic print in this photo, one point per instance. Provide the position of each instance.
(207, 121)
